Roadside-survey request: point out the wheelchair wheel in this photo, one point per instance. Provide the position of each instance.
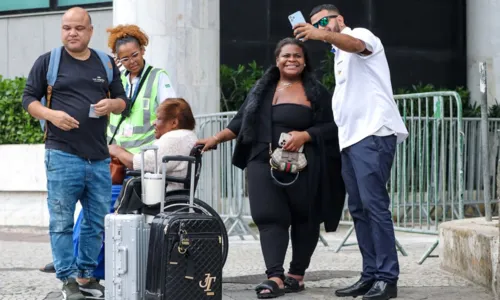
(174, 202)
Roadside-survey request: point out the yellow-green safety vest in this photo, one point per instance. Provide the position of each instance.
(141, 117)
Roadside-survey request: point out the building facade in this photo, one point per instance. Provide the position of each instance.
(437, 42)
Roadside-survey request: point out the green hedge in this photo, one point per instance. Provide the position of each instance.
(18, 127)
(235, 84)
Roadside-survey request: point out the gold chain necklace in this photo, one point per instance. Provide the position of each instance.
(286, 85)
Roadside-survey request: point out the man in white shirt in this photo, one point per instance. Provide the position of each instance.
(370, 126)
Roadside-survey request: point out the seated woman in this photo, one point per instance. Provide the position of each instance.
(174, 135)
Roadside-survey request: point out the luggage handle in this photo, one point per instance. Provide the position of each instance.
(137, 173)
(143, 150)
(183, 206)
(167, 158)
(124, 262)
(191, 208)
(191, 160)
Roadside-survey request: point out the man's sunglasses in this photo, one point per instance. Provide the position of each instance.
(324, 21)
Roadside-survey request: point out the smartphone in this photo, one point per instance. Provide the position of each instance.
(284, 137)
(92, 113)
(296, 18)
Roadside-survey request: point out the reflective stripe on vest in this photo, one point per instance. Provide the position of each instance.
(142, 132)
(146, 103)
(134, 144)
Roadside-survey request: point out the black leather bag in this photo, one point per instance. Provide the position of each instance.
(129, 201)
(184, 257)
(185, 253)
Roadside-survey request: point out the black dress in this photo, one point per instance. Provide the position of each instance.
(275, 208)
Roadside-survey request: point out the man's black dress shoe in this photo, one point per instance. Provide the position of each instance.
(382, 290)
(48, 268)
(358, 289)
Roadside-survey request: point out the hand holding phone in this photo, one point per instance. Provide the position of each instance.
(284, 138)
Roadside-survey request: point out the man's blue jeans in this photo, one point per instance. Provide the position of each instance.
(71, 179)
(99, 270)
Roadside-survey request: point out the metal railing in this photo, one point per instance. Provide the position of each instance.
(475, 204)
(221, 184)
(436, 175)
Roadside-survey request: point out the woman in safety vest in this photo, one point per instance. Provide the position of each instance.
(146, 88)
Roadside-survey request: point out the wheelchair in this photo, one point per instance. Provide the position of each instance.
(130, 200)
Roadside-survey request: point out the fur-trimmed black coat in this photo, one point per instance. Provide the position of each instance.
(252, 125)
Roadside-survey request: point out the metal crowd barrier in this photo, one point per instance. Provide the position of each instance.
(474, 204)
(221, 184)
(436, 175)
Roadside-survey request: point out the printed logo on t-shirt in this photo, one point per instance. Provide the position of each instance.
(98, 79)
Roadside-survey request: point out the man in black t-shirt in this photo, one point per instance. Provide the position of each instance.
(76, 156)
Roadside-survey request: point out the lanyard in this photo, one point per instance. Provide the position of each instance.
(136, 89)
(144, 76)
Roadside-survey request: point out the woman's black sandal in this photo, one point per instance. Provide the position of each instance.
(272, 286)
(292, 285)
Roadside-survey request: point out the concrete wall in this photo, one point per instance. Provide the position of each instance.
(483, 44)
(25, 37)
(470, 248)
(23, 189)
(23, 186)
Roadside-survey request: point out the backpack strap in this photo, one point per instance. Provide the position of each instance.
(106, 62)
(53, 69)
(55, 59)
(108, 66)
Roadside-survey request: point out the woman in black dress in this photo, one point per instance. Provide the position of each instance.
(288, 99)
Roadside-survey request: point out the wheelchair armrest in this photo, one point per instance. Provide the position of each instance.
(133, 173)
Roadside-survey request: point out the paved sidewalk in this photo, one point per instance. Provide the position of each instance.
(23, 250)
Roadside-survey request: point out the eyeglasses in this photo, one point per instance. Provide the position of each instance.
(324, 21)
(126, 59)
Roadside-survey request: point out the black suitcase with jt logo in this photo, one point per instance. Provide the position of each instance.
(185, 251)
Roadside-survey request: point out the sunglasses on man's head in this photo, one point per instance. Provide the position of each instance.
(324, 21)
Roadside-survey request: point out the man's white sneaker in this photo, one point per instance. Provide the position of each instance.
(92, 289)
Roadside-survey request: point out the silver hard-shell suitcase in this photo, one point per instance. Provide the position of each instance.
(126, 250)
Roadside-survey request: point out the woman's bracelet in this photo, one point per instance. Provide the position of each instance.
(216, 139)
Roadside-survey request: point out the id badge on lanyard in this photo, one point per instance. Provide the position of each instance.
(128, 130)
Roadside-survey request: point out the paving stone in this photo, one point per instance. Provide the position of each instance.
(24, 250)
